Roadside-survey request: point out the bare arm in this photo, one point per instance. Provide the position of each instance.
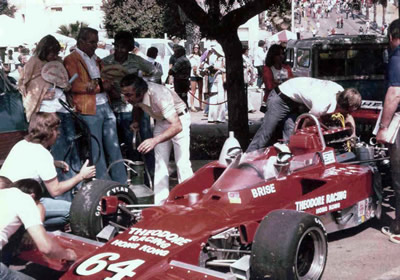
(48, 246)
(56, 188)
(175, 127)
(392, 100)
(350, 120)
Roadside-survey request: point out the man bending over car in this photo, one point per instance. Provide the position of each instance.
(19, 207)
(320, 97)
(172, 128)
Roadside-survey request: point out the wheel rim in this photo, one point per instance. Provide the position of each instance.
(311, 254)
(119, 218)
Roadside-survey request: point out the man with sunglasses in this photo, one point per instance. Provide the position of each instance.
(302, 94)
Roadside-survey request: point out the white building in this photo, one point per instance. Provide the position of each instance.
(41, 17)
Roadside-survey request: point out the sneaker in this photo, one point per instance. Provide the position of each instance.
(395, 238)
(386, 231)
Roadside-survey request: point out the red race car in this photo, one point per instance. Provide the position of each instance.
(264, 215)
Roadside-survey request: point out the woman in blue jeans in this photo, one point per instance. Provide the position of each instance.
(30, 158)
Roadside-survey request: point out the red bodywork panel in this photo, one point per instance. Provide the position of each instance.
(167, 241)
(365, 115)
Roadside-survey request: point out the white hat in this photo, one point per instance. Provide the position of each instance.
(114, 72)
(218, 49)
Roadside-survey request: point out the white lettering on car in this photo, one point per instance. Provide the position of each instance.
(103, 261)
(322, 201)
(263, 190)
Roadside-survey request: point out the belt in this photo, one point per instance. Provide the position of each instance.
(285, 98)
(183, 112)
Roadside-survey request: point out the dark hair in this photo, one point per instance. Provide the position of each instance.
(84, 32)
(349, 98)
(47, 45)
(125, 38)
(261, 43)
(29, 186)
(4, 182)
(136, 82)
(41, 127)
(197, 45)
(152, 52)
(394, 29)
(179, 51)
(273, 51)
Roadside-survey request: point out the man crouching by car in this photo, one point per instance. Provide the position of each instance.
(172, 128)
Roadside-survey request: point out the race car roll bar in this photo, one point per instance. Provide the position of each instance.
(314, 118)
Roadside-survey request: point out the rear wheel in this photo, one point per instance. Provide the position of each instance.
(289, 245)
(86, 217)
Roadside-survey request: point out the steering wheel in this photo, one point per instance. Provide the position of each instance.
(251, 166)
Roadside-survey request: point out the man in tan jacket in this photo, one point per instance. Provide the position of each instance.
(91, 101)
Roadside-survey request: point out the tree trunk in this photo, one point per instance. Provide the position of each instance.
(237, 99)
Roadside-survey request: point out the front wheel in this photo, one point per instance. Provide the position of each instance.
(289, 245)
(86, 218)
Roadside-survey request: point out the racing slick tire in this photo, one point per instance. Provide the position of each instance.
(289, 245)
(85, 217)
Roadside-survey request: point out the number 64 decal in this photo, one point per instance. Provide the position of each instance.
(97, 263)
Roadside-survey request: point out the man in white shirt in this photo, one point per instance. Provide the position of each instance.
(259, 61)
(320, 97)
(18, 207)
(172, 128)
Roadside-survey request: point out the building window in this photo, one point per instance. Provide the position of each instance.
(87, 8)
(56, 9)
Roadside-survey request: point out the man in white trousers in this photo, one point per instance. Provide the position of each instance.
(172, 128)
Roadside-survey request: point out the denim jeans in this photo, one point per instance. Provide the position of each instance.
(103, 127)
(59, 151)
(9, 274)
(57, 213)
(277, 111)
(124, 120)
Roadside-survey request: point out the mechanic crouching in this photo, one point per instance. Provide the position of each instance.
(31, 159)
(295, 96)
(19, 206)
(172, 128)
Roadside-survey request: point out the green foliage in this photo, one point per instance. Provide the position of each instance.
(205, 147)
(7, 10)
(144, 18)
(72, 29)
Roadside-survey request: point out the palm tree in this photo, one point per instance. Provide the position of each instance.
(72, 29)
